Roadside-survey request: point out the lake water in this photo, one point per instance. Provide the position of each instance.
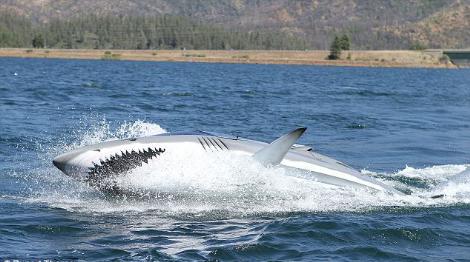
(408, 127)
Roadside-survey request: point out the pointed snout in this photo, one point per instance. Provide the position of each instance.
(60, 162)
(65, 162)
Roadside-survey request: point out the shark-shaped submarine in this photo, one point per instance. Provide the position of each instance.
(95, 163)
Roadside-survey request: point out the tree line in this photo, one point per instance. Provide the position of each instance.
(136, 32)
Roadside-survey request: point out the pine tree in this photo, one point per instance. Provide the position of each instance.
(335, 49)
(38, 41)
(344, 43)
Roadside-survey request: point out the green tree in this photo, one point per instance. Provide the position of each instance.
(339, 44)
(335, 49)
(38, 41)
(344, 42)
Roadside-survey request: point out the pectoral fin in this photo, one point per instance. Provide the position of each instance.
(273, 153)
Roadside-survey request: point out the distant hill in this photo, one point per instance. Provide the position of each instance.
(371, 24)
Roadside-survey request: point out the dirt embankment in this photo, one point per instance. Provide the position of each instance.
(380, 58)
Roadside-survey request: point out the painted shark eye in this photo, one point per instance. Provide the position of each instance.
(120, 163)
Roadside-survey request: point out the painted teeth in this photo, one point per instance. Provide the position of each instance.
(121, 162)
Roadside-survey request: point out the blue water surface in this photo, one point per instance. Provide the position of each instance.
(408, 126)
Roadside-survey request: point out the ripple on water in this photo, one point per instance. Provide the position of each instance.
(407, 127)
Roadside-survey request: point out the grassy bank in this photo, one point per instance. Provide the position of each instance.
(382, 58)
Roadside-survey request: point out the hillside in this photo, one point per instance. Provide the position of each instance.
(372, 24)
(446, 27)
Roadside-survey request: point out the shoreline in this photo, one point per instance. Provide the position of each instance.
(355, 58)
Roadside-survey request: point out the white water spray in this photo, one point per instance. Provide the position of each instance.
(238, 185)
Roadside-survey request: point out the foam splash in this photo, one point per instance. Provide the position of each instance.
(441, 173)
(102, 132)
(237, 185)
(138, 129)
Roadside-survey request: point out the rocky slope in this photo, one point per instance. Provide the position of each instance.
(372, 24)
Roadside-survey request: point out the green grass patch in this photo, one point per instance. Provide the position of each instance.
(110, 56)
(194, 55)
(241, 57)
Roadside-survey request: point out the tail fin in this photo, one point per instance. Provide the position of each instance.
(273, 153)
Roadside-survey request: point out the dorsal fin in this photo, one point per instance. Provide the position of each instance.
(273, 153)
